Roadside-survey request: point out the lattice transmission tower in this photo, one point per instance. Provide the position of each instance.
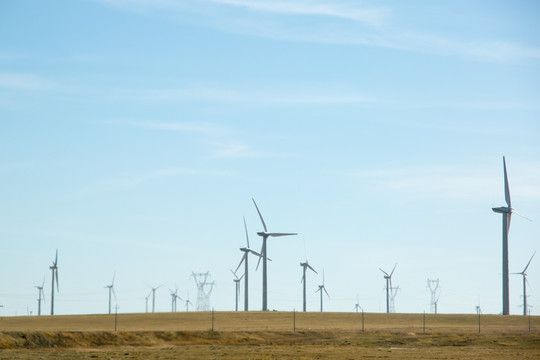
(433, 286)
(204, 289)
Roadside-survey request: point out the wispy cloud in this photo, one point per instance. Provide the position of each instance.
(340, 22)
(277, 97)
(222, 141)
(18, 81)
(131, 181)
(372, 16)
(451, 182)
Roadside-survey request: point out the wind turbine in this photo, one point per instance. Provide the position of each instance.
(153, 291)
(237, 285)
(321, 288)
(305, 266)
(525, 281)
(54, 269)
(265, 234)
(111, 290)
(357, 305)
(388, 286)
(41, 295)
(246, 251)
(146, 300)
(174, 297)
(506, 212)
(188, 303)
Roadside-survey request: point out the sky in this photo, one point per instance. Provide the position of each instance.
(135, 133)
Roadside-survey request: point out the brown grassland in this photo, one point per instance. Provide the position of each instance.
(270, 335)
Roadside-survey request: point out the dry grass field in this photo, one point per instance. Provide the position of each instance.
(269, 335)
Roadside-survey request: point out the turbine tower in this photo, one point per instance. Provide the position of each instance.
(41, 296)
(265, 234)
(244, 259)
(388, 287)
(433, 286)
(153, 292)
(54, 269)
(237, 287)
(525, 281)
(506, 212)
(305, 266)
(111, 290)
(321, 288)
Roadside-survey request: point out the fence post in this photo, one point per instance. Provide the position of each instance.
(294, 320)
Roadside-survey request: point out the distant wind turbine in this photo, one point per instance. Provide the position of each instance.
(54, 269)
(305, 266)
(321, 288)
(174, 297)
(265, 234)
(111, 291)
(388, 287)
(357, 305)
(187, 302)
(506, 211)
(246, 251)
(153, 291)
(525, 281)
(146, 300)
(41, 295)
(237, 287)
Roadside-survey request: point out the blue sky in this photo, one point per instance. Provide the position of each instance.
(134, 133)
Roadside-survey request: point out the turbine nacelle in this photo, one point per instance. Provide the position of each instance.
(503, 210)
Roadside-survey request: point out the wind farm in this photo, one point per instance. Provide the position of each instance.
(169, 142)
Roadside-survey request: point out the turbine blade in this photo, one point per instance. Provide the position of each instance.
(114, 294)
(57, 287)
(393, 269)
(56, 258)
(508, 219)
(529, 262)
(241, 261)
(254, 253)
(309, 266)
(259, 261)
(114, 275)
(523, 216)
(43, 283)
(245, 227)
(234, 274)
(262, 220)
(326, 292)
(241, 277)
(506, 187)
(384, 271)
(281, 234)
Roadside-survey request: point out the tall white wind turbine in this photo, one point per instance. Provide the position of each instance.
(111, 291)
(305, 266)
(246, 251)
(237, 287)
(506, 212)
(321, 288)
(54, 269)
(265, 234)
(388, 287)
(525, 281)
(41, 295)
